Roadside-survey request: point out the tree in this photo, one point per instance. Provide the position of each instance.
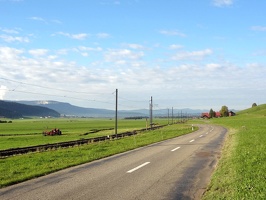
(254, 105)
(211, 113)
(224, 111)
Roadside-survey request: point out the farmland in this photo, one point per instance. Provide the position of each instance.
(240, 173)
(29, 132)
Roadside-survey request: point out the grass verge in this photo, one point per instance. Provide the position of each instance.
(240, 173)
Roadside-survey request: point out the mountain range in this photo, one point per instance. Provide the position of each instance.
(17, 110)
(66, 109)
(48, 108)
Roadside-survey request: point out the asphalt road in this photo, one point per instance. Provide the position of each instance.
(179, 168)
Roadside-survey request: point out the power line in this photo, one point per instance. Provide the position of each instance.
(15, 89)
(50, 88)
(132, 100)
(64, 96)
(76, 98)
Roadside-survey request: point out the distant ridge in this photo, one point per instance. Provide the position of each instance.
(11, 109)
(66, 109)
(70, 110)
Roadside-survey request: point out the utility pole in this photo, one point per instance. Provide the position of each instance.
(116, 106)
(151, 113)
(172, 115)
(168, 116)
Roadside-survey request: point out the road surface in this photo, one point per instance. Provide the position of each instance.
(179, 168)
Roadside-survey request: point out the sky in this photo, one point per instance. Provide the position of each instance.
(197, 54)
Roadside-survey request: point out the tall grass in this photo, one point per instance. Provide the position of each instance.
(241, 173)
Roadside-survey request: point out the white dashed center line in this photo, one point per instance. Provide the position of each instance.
(175, 149)
(138, 167)
(201, 136)
(192, 140)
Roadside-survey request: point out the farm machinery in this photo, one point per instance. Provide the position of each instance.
(53, 132)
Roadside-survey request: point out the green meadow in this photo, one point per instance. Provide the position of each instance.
(19, 168)
(28, 132)
(241, 172)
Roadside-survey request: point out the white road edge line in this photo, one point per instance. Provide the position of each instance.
(138, 167)
(192, 140)
(175, 148)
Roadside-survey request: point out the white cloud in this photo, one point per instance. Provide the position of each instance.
(63, 51)
(103, 35)
(193, 55)
(46, 21)
(84, 51)
(84, 48)
(135, 46)
(179, 82)
(260, 53)
(213, 66)
(3, 90)
(221, 3)
(7, 53)
(38, 19)
(38, 52)
(175, 46)
(172, 33)
(79, 36)
(9, 38)
(9, 31)
(114, 55)
(258, 28)
(84, 54)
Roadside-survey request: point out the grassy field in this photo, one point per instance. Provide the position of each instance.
(28, 132)
(23, 167)
(241, 172)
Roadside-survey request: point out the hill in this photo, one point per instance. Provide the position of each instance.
(68, 109)
(243, 156)
(257, 110)
(71, 110)
(16, 110)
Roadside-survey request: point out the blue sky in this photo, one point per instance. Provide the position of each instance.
(184, 53)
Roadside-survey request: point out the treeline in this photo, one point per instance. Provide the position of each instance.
(137, 117)
(4, 121)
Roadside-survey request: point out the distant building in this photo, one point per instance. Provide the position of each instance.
(231, 113)
(217, 114)
(206, 115)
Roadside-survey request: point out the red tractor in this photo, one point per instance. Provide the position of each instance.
(53, 132)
